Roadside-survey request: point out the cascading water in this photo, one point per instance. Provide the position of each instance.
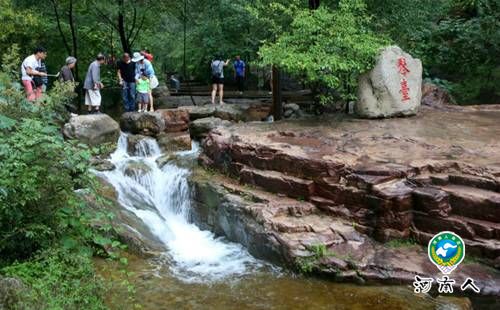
(160, 197)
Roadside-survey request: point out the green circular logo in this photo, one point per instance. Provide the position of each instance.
(446, 250)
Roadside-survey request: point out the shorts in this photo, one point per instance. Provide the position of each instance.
(143, 97)
(217, 80)
(93, 97)
(153, 82)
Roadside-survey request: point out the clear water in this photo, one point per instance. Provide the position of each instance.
(161, 199)
(200, 271)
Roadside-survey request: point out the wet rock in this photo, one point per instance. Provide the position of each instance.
(201, 127)
(136, 169)
(102, 164)
(148, 124)
(176, 120)
(435, 96)
(431, 200)
(278, 183)
(11, 293)
(133, 143)
(197, 112)
(292, 106)
(92, 129)
(164, 159)
(128, 228)
(243, 112)
(174, 141)
(392, 88)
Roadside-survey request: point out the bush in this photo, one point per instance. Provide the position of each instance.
(46, 233)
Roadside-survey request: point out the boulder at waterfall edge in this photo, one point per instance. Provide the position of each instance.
(92, 129)
(176, 120)
(392, 88)
(201, 127)
(148, 124)
(174, 141)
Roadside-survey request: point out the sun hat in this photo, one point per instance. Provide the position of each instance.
(70, 60)
(137, 57)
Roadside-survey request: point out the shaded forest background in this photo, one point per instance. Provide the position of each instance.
(458, 41)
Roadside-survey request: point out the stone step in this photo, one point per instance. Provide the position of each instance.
(277, 182)
(474, 203)
(474, 181)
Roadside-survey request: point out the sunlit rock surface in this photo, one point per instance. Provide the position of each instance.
(359, 185)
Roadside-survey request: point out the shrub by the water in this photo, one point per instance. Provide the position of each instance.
(46, 236)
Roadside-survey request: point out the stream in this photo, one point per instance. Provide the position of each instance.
(199, 270)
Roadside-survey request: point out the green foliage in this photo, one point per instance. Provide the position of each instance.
(59, 279)
(47, 236)
(458, 42)
(329, 48)
(307, 264)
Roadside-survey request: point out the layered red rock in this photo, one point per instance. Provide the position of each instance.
(176, 120)
(394, 178)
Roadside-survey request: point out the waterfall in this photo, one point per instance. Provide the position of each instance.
(160, 197)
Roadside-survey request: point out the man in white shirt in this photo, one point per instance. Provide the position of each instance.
(29, 69)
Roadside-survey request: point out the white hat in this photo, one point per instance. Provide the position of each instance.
(137, 57)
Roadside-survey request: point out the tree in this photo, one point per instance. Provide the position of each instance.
(328, 48)
(72, 49)
(126, 17)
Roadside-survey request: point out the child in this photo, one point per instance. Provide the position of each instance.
(143, 89)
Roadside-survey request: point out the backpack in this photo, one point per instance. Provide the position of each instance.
(217, 68)
(39, 80)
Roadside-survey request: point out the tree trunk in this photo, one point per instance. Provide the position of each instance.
(58, 21)
(121, 28)
(313, 4)
(277, 98)
(73, 37)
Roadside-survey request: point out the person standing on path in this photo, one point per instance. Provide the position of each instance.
(217, 67)
(30, 68)
(66, 73)
(93, 85)
(239, 73)
(126, 78)
(144, 67)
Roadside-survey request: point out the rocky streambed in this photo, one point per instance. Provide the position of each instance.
(353, 201)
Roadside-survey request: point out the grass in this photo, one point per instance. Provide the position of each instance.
(401, 243)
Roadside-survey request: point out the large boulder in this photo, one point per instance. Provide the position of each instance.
(11, 293)
(148, 124)
(92, 129)
(435, 96)
(201, 127)
(176, 120)
(392, 88)
(161, 95)
(174, 141)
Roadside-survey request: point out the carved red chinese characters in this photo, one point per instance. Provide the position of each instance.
(403, 70)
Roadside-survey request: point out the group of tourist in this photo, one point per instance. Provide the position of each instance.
(136, 76)
(217, 67)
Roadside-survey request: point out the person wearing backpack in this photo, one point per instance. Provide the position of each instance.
(32, 74)
(218, 78)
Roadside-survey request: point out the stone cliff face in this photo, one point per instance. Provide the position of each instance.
(392, 179)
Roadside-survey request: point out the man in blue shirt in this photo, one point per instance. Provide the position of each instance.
(239, 73)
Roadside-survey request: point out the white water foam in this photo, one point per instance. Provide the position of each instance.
(161, 199)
